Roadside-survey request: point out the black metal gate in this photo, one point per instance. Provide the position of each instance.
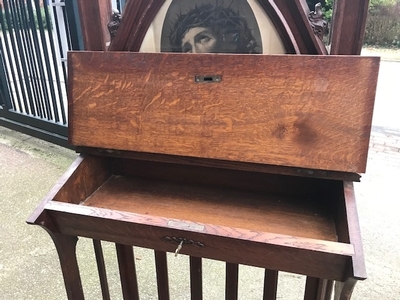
(34, 38)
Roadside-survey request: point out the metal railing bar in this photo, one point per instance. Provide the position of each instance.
(31, 65)
(35, 65)
(47, 60)
(46, 56)
(10, 69)
(40, 65)
(14, 59)
(74, 26)
(64, 59)
(25, 82)
(4, 92)
(58, 30)
(56, 70)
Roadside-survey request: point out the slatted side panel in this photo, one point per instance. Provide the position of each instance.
(314, 289)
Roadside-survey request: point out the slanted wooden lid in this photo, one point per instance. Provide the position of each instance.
(288, 110)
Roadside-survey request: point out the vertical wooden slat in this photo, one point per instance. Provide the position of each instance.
(196, 278)
(127, 271)
(316, 289)
(95, 16)
(270, 284)
(231, 283)
(101, 268)
(348, 26)
(162, 275)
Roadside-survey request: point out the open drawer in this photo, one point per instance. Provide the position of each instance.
(296, 224)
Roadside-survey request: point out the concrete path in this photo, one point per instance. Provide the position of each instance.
(29, 267)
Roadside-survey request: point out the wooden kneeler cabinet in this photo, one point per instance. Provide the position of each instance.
(247, 159)
(242, 158)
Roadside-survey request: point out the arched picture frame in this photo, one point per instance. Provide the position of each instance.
(298, 26)
(133, 29)
(237, 26)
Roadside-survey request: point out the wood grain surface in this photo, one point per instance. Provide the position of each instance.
(304, 111)
(294, 216)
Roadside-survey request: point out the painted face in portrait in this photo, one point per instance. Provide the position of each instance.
(212, 29)
(199, 40)
(204, 40)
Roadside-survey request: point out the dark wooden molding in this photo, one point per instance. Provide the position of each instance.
(94, 16)
(281, 25)
(133, 29)
(296, 14)
(348, 26)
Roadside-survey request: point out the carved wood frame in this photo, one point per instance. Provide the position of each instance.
(141, 13)
(296, 14)
(290, 17)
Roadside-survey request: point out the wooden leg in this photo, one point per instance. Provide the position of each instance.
(66, 249)
(344, 290)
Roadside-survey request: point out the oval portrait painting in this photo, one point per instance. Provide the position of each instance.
(210, 27)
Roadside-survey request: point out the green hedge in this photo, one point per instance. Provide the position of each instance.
(383, 25)
(382, 31)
